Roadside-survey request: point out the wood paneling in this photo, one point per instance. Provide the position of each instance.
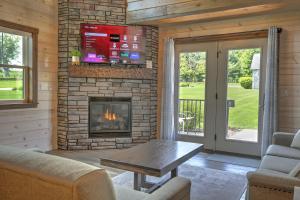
(35, 127)
(289, 67)
(110, 72)
(157, 12)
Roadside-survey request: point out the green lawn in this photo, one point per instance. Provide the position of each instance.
(243, 115)
(15, 94)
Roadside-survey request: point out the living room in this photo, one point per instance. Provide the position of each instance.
(149, 99)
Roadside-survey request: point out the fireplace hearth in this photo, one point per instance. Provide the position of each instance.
(109, 117)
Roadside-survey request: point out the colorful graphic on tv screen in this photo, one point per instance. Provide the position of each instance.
(113, 44)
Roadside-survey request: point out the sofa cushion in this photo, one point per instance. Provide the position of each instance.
(123, 193)
(296, 141)
(283, 151)
(295, 172)
(281, 164)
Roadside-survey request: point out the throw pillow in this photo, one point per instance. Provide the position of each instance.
(295, 171)
(296, 141)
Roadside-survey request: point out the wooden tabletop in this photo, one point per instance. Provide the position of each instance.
(155, 158)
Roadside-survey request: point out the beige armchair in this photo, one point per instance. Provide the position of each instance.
(272, 180)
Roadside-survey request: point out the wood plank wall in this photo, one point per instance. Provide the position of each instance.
(170, 11)
(29, 128)
(289, 72)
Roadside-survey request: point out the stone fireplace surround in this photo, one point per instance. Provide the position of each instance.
(74, 90)
(78, 99)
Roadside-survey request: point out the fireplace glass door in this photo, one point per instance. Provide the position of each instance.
(110, 117)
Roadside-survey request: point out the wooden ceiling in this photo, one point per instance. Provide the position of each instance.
(163, 12)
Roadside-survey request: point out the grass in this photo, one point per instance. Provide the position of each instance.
(245, 113)
(16, 94)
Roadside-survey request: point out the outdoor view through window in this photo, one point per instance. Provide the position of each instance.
(242, 110)
(14, 63)
(243, 77)
(192, 93)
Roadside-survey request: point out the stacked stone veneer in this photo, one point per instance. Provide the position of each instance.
(74, 92)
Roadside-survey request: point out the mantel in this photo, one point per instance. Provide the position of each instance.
(109, 72)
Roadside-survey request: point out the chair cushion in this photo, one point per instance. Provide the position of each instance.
(296, 141)
(283, 151)
(281, 164)
(296, 171)
(272, 172)
(123, 193)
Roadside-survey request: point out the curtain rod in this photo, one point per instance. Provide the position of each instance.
(229, 36)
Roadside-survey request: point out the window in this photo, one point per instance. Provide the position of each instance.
(18, 66)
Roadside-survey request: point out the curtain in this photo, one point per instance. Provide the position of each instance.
(270, 96)
(167, 131)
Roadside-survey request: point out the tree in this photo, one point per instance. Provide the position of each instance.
(239, 63)
(9, 50)
(192, 66)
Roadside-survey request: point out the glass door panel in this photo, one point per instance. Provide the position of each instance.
(195, 86)
(191, 105)
(243, 94)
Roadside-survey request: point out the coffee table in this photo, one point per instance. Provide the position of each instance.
(155, 158)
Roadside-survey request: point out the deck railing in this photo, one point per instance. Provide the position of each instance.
(191, 115)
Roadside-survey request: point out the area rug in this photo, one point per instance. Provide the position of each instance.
(207, 184)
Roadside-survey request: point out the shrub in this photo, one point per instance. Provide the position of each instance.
(246, 82)
(184, 84)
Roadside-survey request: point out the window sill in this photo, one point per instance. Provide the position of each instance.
(8, 106)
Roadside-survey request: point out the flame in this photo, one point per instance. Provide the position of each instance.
(110, 116)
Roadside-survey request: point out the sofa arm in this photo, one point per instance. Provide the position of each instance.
(263, 186)
(282, 138)
(263, 179)
(177, 188)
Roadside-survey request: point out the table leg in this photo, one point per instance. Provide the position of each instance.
(174, 172)
(139, 181)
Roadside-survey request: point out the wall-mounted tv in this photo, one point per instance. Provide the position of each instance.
(113, 44)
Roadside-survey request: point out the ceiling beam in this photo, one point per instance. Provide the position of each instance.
(157, 12)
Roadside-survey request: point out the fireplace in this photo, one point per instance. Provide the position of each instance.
(109, 117)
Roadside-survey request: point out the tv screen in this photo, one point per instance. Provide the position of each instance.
(113, 44)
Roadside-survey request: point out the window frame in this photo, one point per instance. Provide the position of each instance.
(30, 80)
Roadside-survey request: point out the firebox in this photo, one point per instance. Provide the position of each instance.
(109, 117)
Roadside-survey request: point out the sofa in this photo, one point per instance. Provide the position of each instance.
(273, 179)
(29, 175)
